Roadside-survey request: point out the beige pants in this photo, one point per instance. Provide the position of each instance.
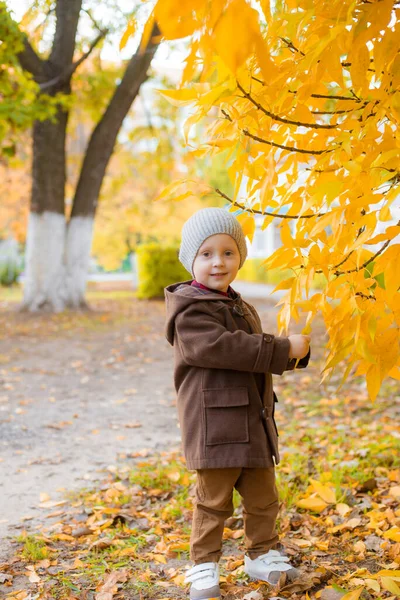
(213, 505)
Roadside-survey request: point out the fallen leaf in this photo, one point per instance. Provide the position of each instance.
(325, 492)
(110, 587)
(353, 595)
(390, 585)
(253, 596)
(329, 593)
(395, 491)
(102, 544)
(33, 576)
(392, 534)
(314, 503)
(343, 509)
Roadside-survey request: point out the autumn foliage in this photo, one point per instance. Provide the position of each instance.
(308, 108)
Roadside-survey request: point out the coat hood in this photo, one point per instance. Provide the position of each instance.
(179, 296)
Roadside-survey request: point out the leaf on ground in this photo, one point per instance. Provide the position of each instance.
(313, 503)
(330, 593)
(253, 596)
(392, 534)
(110, 585)
(354, 595)
(325, 492)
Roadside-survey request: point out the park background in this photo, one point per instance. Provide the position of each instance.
(96, 501)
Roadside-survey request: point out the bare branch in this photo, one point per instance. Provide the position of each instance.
(31, 61)
(91, 17)
(265, 213)
(281, 119)
(66, 74)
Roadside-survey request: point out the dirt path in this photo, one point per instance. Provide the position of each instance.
(77, 398)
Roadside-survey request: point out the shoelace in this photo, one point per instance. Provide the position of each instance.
(198, 572)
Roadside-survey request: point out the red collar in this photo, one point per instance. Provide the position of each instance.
(229, 294)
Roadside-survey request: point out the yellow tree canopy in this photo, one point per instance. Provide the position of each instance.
(307, 97)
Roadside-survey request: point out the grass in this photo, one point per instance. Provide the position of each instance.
(34, 549)
(160, 476)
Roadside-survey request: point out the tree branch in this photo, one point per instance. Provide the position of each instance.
(370, 260)
(62, 51)
(325, 96)
(103, 138)
(281, 119)
(265, 213)
(275, 144)
(66, 74)
(30, 61)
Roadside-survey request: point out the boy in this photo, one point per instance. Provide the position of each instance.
(223, 378)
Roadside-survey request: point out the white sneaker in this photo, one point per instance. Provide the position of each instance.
(204, 581)
(269, 567)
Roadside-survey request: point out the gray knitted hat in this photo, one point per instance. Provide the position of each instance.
(203, 224)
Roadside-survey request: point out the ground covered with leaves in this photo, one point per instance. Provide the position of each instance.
(128, 536)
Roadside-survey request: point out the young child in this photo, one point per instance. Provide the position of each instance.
(223, 377)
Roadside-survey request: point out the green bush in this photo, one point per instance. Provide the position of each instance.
(158, 266)
(10, 262)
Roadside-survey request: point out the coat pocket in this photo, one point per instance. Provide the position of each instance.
(226, 415)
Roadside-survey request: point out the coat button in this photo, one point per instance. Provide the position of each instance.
(268, 338)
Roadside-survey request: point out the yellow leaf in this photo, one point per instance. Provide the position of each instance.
(248, 224)
(373, 585)
(180, 97)
(235, 34)
(177, 19)
(353, 595)
(325, 492)
(388, 573)
(393, 534)
(373, 381)
(390, 585)
(160, 558)
(285, 284)
(358, 69)
(313, 503)
(129, 31)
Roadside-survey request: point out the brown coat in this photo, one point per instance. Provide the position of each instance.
(219, 349)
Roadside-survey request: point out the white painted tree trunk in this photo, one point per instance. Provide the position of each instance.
(57, 261)
(77, 256)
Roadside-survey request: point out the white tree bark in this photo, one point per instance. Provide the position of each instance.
(57, 260)
(77, 256)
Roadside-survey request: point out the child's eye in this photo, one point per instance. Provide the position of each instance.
(206, 254)
(228, 252)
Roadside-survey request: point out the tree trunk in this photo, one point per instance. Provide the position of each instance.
(58, 253)
(57, 262)
(46, 228)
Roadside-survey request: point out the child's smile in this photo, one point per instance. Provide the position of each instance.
(217, 262)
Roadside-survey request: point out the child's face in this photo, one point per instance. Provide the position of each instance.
(217, 262)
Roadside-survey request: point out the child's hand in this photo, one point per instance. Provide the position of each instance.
(299, 345)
